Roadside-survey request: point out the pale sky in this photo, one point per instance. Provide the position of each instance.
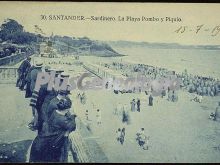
(192, 15)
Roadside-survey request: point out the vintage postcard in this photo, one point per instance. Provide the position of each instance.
(109, 82)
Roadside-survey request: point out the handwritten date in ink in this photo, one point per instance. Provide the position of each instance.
(214, 31)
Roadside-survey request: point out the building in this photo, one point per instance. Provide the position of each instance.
(46, 50)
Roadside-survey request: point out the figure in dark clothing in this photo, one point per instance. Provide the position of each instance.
(87, 115)
(33, 75)
(125, 117)
(150, 100)
(22, 72)
(138, 105)
(133, 105)
(116, 91)
(106, 85)
(48, 146)
(118, 134)
(50, 95)
(146, 92)
(142, 139)
(168, 89)
(47, 100)
(28, 82)
(163, 93)
(122, 136)
(83, 98)
(174, 97)
(53, 104)
(36, 103)
(78, 95)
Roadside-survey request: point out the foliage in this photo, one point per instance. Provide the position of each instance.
(13, 32)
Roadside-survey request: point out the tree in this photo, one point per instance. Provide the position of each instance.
(12, 31)
(11, 26)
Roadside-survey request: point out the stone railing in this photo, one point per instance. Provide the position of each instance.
(85, 147)
(13, 59)
(8, 75)
(79, 147)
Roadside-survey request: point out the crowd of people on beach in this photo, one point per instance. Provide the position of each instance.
(202, 86)
(53, 120)
(60, 63)
(198, 85)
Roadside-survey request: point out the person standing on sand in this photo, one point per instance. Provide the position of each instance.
(133, 105)
(169, 94)
(78, 96)
(142, 139)
(217, 112)
(174, 96)
(118, 134)
(209, 90)
(199, 90)
(138, 105)
(83, 98)
(163, 93)
(204, 91)
(106, 85)
(122, 136)
(87, 115)
(150, 100)
(125, 115)
(98, 116)
(200, 98)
